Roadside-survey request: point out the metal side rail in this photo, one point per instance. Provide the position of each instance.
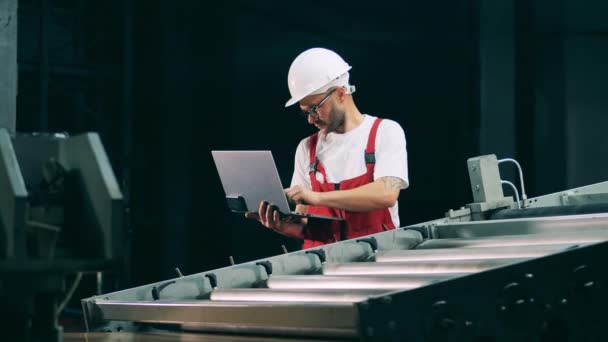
(522, 226)
(283, 318)
(573, 238)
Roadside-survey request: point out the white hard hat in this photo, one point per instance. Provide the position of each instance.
(315, 71)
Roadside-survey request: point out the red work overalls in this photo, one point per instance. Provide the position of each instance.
(355, 224)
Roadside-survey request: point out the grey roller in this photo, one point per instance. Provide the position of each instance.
(279, 295)
(423, 268)
(508, 252)
(353, 282)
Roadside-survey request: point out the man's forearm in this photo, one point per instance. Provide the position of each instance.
(382, 193)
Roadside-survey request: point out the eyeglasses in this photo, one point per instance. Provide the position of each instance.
(313, 111)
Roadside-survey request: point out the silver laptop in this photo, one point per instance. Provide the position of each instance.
(250, 177)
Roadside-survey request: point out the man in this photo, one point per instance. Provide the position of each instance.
(353, 168)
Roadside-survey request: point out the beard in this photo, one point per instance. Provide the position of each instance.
(335, 119)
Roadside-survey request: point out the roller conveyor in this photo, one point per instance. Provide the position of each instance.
(329, 303)
(465, 283)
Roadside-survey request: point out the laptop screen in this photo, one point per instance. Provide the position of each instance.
(249, 177)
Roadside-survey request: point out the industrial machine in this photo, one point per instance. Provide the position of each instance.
(497, 269)
(61, 218)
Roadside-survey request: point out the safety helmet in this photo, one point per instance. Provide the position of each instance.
(315, 71)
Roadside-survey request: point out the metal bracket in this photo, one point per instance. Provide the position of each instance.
(267, 266)
(463, 212)
(372, 242)
(156, 290)
(425, 231)
(320, 253)
(506, 202)
(212, 279)
(485, 178)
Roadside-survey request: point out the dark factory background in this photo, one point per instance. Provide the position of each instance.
(166, 82)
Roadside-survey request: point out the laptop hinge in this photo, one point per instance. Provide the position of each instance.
(236, 202)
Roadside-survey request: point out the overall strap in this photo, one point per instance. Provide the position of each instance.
(314, 166)
(370, 150)
(312, 143)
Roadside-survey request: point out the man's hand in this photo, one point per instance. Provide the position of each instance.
(270, 217)
(300, 195)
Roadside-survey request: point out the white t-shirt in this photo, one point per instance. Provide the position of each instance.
(342, 155)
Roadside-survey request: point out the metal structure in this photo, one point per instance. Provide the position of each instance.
(8, 61)
(60, 214)
(470, 276)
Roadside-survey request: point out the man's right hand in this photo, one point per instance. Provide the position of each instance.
(270, 217)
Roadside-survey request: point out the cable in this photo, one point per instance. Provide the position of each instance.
(69, 294)
(521, 176)
(514, 189)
